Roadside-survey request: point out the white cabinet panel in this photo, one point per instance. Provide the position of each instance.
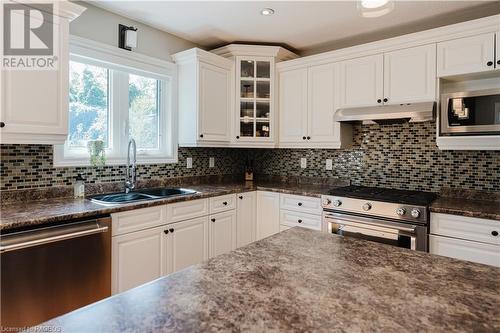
(222, 203)
(361, 81)
(214, 103)
(246, 218)
(293, 105)
(187, 243)
(296, 219)
(322, 103)
(137, 258)
(301, 203)
(497, 53)
(186, 210)
(138, 219)
(466, 55)
(466, 250)
(469, 228)
(222, 228)
(410, 75)
(268, 214)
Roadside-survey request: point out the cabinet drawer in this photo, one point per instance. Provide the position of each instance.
(296, 219)
(222, 203)
(138, 219)
(301, 204)
(466, 250)
(469, 228)
(187, 210)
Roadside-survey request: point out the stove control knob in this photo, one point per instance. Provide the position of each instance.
(327, 202)
(337, 203)
(401, 211)
(415, 213)
(367, 206)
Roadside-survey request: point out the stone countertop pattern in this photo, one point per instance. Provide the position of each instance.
(36, 212)
(467, 207)
(302, 280)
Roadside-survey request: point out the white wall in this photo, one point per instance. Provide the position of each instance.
(102, 26)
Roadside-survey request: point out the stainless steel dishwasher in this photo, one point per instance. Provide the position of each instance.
(48, 271)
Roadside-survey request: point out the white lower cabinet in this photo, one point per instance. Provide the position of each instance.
(222, 230)
(295, 219)
(246, 218)
(268, 214)
(187, 243)
(137, 258)
(467, 238)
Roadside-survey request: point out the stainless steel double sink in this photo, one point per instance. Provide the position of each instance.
(140, 195)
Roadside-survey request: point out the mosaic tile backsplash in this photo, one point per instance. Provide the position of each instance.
(30, 166)
(396, 156)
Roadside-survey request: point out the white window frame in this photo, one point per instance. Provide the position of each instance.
(125, 62)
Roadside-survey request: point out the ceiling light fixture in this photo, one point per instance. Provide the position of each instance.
(375, 8)
(267, 11)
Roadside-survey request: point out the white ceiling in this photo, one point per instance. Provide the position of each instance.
(303, 25)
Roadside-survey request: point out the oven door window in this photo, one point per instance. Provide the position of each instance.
(391, 237)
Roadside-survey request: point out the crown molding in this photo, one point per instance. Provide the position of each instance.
(234, 50)
(194, 54)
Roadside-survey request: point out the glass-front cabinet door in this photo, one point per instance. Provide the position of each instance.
(255, 77)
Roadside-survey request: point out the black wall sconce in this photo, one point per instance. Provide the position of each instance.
(127, 37)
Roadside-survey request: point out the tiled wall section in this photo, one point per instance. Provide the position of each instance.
(396, 156)
(30, 166)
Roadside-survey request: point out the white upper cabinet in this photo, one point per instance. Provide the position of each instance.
(205, 98)
(34, 102)
(293, 105)
(466, 55)
(322, 103)
(362, 81)
(410, 75)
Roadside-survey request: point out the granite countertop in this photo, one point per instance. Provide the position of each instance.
(284, 284)
(464, 206)
(21, 213)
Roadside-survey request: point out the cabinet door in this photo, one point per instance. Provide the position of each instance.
(187, 243)
(268, 214)
(214, 103)
(246, 218)
(222, 228)
(497, 66)
(34, 103)
(466, 55)
(466, 250)
(410, 75)
(322, 92)
(137, 258)
(293, 105)
(361, 81)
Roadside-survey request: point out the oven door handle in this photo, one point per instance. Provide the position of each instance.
(353, 220)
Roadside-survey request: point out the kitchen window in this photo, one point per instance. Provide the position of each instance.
(115, 96)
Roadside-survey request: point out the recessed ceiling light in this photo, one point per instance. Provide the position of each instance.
(375, 8)
(370, 4)
(267, 11)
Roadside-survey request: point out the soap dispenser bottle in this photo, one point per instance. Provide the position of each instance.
(79, 186)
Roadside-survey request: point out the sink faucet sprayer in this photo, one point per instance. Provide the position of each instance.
(131, 177)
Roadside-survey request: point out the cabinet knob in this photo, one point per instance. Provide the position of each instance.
(300, 221)
(241, 197)
(303, 138)
(171, 229)
(2, 124)
(213, 220)
(237, 137)
(489, 63)
(498, 62)
(201, 135)
(300, 204)
(225, 203)
(494, 233)
(385, 99)
(308, 138)
(379, 100)
(165, 231)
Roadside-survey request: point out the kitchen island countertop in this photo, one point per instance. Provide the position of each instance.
(306, 281)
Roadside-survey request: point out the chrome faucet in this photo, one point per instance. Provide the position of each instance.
(131, 177)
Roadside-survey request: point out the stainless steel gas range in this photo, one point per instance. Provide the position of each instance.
(396, 217)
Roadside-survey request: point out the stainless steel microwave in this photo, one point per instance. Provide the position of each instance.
(471, 113)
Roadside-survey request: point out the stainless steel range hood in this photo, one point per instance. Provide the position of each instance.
(413, 112)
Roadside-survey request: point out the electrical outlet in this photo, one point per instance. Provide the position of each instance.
(189, 162)
(211, 162)
(303, 163)
(329, 164)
